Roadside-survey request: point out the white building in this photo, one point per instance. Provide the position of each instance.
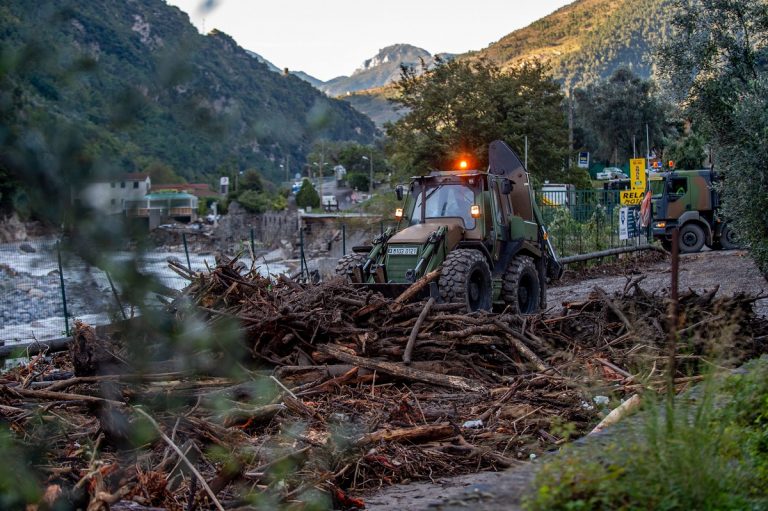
(110, 196)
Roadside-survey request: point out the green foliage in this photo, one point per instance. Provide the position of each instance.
(687, 152)
(358, 181)
(251, 180)
(589, 40)
(610, 114)
(18, 483)
(716, 65)
(457, 108)
(703, 455)
(159, 172)
(171, 95)
(307, 196)
(254, 202)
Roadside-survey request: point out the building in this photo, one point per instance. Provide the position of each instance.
(162, 207)
(199, 190)
(110, 196)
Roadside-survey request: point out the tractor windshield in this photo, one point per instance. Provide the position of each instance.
(447, 200)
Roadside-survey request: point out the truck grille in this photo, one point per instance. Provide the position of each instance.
(400, 259)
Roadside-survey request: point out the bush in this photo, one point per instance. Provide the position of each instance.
(307, 196)
(358, 181)
(702, 456)
(255, 202)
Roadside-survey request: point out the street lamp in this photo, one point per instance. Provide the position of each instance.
(321, 166)
(370, 174)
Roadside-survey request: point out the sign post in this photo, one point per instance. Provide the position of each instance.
(583, 162)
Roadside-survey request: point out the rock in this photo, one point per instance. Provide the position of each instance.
(24, 286)
(36, 293)
(26, 247)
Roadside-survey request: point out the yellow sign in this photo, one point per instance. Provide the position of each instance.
(631, 197)
(637, 174)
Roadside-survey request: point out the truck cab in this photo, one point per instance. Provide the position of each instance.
(689, 201)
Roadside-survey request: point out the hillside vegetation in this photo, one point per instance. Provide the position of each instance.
(141, 86)
(588, 40)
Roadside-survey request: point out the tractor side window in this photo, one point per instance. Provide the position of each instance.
(678, 187)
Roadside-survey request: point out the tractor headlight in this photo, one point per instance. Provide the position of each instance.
(660, 225)
(398, 213)
(474, 210)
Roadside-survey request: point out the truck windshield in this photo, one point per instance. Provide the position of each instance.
(657, 187)
(447, 200)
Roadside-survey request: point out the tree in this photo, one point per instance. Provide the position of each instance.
(456, 108)
(251, 180)
(716, 66)
(307, 196)
(611, 115)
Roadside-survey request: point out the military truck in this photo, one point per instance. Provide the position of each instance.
(689, 201)
(481, 228)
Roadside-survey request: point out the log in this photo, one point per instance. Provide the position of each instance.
(617, 413)
(415, 331)
(415, 434)
(418, 286)
(401, 371)
(521, 347)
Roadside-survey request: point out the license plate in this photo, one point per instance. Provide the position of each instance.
(402, 251)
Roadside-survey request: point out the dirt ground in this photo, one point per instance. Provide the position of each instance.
(732, 271)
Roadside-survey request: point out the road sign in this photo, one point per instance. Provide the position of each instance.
(637, 174)
(583, 162)
(631, 197)
(628, 223)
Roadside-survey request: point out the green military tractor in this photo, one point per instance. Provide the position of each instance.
(482, 229)
(689, 201)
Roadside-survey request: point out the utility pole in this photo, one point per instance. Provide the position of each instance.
(526, 153)
(370, 177)
(634, 148)
(647, 143)
(570, 125)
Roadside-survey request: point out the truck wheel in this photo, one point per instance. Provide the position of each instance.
(520, 288)
(691, 238)
(466, 278)
(348, 263)
(728, 238)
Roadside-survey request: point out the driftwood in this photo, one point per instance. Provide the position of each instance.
(425, 433)
(401, 371)
(415, 331)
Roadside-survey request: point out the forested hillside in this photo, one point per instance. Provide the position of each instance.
(142, 87)
(588, 39)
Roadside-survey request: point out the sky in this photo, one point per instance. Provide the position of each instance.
(329, 38)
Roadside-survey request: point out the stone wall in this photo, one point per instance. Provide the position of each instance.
(268, 228)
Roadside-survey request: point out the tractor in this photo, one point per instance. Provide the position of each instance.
(482, 229)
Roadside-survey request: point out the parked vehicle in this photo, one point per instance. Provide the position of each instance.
(612, 173)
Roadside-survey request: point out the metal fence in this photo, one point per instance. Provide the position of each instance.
(582, 221)
(44, 288)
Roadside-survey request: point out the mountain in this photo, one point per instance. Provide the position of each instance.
(139, 85)
(588, 40)
(380, 70)
(314, 82)
(583, 42)
(264, 61)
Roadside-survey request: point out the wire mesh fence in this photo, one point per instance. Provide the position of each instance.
(582, 221)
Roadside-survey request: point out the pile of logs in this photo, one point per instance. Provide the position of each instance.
(286, 394)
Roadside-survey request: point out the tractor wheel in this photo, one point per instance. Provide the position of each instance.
(466, 278)
(520, 288)
(348, 263)
(691, 238)
(728, 238)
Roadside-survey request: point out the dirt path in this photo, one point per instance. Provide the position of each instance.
(733, 271)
